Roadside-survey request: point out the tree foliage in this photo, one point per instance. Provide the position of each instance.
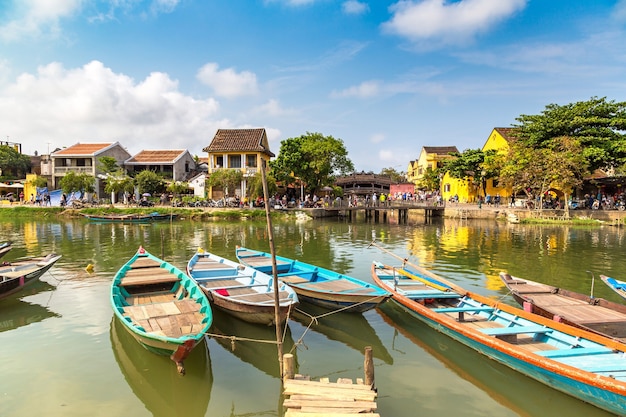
(430, 180)
(473, 165)
(13, 164)
(149, 182)
(228, 179)
(255, 185)
(108, 164)
(315, 159)
(178, 187)
(72, 182)
(396, 176)
(117, 184)
(598, 125)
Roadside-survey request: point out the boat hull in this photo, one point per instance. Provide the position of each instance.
(334, 302)
(13, 285)
(605, 393)
(252, 314)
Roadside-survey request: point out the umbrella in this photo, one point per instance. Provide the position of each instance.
(146, 195)
(327, 188)
(9, 194)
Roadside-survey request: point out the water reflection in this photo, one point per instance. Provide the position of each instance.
(351, 329)
(523, 395)
(156, 383)
(15, 312)
(261, 355)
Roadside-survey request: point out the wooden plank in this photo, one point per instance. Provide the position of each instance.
(296, 382)
(298, 413)
(361, 406)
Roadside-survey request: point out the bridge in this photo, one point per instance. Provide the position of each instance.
(342, 208)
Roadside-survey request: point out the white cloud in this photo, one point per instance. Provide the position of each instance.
(447, 22)
(377, 138)
(227, 82)
(272, 108)
(354, 7)
(92, 103)
(364, 90)
(23, 18)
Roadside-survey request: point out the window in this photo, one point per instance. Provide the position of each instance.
(251, 161)
(234, 161)
(219, 162)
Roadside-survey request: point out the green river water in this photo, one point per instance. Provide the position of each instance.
(64, 355)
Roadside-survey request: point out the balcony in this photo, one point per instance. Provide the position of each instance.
(60, 171)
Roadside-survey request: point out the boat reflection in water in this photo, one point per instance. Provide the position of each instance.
(351, 329)
(261, 355)
(521, 394)
(15, 312)
(156, 382)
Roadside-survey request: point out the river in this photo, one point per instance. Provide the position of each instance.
(64, 355)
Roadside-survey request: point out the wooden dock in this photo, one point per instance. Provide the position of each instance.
(344, 398)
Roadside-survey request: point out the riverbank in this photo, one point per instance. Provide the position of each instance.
(455, 211)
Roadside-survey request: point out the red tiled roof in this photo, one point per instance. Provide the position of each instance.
(83, 149)
(156, 157)
(238, 140)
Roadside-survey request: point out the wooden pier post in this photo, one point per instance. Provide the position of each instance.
(288, 366)
(368, 365)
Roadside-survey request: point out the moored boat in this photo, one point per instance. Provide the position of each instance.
(16, 275)
(240, 290)
(579, 363)
(318, 286)
(160, 306)
(615, 284)
(130, 217)
(594, 314)
(5, 247)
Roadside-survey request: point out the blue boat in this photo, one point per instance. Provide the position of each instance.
(318, 286)
(579, 363)
(615, 284)
(160, 306)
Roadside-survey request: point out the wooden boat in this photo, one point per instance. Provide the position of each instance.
(593, 314)
(615, 284)
(316, 285)
(240, 290)
(579, 363)
(16, 275)
(129, 218)
(160, 306)
(5, 247)
(154, 381)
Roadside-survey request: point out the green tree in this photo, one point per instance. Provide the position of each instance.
(396, 176)
(430, 180)
(255, 185)
(108, 165)
(149, 182)
(13, 164)
(473, 165)
(38, 182)
(597, 124)
(228, 179)
(72, 182)
(313, 158)
(178, 187)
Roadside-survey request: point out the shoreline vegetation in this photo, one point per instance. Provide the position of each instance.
(465, 212)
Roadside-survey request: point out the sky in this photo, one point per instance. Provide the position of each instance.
(385, 77)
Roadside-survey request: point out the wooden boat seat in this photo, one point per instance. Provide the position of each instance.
(218, 283)
(144, 263)
(161, 278)
(564, 353)
(292, 279)
(462, 310)
(509, 334)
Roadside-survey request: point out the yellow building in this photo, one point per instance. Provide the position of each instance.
(431, 157)
(242, 149)
(465, 189)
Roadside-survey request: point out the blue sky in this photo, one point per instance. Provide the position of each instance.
(386, 77)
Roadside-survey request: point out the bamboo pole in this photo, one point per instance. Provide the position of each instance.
(288, 366)
(270, 235)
